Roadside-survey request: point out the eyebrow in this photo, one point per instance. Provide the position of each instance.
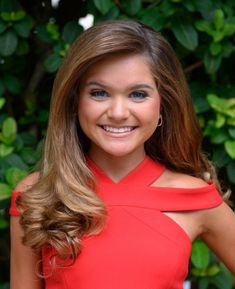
(136, 86)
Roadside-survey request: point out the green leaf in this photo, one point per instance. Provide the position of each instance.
(8, 43)
(232, 132)
(3, 225)
(230, 148)
(14, 175)
(200, 104)
(217, 35)
(23, 47)
(5, 191)
(220, 120)
(12, 83)
(213, 270)
(198, 272)
(132, 7)
(53, 62)
(3, 27)
(203, 26)
(224, 279)
(24, 27)
(70, 31)
(231, 121)
(153, 17)
(53, 30)
(2, 102)
(13, 16)
(203, 283)
(5, 150)
(229, 29)
(14, 160)
(43, 34)
(9, 127)
(219, 136)
(231, 172)
(200, 255)
(215, 48)
(189, 5)
(185, 34)
(222, 105)
(228, 49)
(167, 8)
(205, 7)
(220, 158)
(212, 63)
(103, 5)
(218, 19)
(28, 156)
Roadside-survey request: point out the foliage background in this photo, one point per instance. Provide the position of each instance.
(34, 38)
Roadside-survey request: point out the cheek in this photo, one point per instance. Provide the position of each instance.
(152, 112)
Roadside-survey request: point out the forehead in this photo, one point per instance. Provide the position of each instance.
(120, 67)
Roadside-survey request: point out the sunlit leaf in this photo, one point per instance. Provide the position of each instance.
(200, 255)
(218, 19)
(5, 150)
(215, 48)
(14, 175)
(230, 148)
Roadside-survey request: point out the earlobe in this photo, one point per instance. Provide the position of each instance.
(160, 121)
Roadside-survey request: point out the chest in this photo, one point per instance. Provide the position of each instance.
(138, 248)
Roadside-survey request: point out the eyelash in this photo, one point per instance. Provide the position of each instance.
(136, 96)
(98, 93)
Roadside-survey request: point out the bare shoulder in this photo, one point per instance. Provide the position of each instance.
(179, 180)
(27, 182)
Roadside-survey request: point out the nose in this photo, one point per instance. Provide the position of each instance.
(118, 109)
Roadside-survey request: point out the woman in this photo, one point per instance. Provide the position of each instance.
(121, 193)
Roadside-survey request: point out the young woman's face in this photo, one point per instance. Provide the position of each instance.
(119, 105)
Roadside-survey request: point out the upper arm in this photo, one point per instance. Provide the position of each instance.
(24, 261)
(219, 233)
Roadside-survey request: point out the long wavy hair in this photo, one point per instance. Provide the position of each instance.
(62, 206)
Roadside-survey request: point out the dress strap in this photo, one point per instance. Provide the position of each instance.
(161, 198)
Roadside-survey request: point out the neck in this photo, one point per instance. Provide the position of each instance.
(117, 167)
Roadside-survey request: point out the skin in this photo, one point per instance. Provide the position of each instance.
(112, 95)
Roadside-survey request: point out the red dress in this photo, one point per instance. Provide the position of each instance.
(140, 247)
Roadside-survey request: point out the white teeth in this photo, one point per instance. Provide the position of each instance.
(117, 129)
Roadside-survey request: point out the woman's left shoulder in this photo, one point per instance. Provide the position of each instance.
(180, 180)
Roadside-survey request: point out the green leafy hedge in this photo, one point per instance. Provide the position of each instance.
(34, 38)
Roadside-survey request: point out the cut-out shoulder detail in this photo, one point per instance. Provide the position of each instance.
(27, 182)
(178, 180)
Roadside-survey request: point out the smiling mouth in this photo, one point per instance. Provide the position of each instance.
(118, 129)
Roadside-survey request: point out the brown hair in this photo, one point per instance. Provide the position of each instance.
(62, 206)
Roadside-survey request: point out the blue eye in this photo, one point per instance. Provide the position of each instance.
(138, 95)
(98, 94)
